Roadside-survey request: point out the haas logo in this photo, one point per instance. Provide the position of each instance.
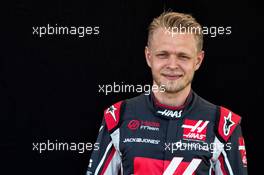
(133, 124)
(194, 130)
(170, 113)
(176, 166)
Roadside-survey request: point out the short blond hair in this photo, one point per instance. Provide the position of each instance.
(172, 20)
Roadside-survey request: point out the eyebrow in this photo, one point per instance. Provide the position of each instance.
(179, 53)
(163, 51)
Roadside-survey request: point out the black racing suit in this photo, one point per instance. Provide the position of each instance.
(141, 136)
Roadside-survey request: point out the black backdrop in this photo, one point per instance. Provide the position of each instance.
(50, 85)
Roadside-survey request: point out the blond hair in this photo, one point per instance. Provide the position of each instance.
(172, 20)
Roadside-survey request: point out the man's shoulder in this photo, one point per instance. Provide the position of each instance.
(113, 113)
(136, 100)
(226, 120)
(222, 109)
(201, 102)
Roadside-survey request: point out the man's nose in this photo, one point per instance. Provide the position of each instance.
(173, 62)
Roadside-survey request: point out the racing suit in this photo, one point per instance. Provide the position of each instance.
(141, 136)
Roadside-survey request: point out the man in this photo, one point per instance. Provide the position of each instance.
(172, 131)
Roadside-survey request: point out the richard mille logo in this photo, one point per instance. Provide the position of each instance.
(171, 113)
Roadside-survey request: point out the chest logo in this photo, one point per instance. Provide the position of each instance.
(171, 113)
(194, 130)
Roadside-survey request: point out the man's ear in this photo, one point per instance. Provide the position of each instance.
(147, 56)
(199, 60)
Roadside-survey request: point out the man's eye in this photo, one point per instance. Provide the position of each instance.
(184, 57)
(162, 55)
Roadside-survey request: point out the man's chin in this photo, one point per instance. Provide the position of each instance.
(173, 90)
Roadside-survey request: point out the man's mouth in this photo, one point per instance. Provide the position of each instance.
(172, 76)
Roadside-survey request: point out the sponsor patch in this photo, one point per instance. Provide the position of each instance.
(227, 123)
(194, 129)
(141, 140)
(112, 115)
(170, 113)
(242, 150)
(143, 125)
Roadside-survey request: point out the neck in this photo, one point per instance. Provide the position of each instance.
(173, 99)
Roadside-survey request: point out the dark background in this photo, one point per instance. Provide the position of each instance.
(49, 85)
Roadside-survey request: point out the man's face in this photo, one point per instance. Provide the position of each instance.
(173, 59)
